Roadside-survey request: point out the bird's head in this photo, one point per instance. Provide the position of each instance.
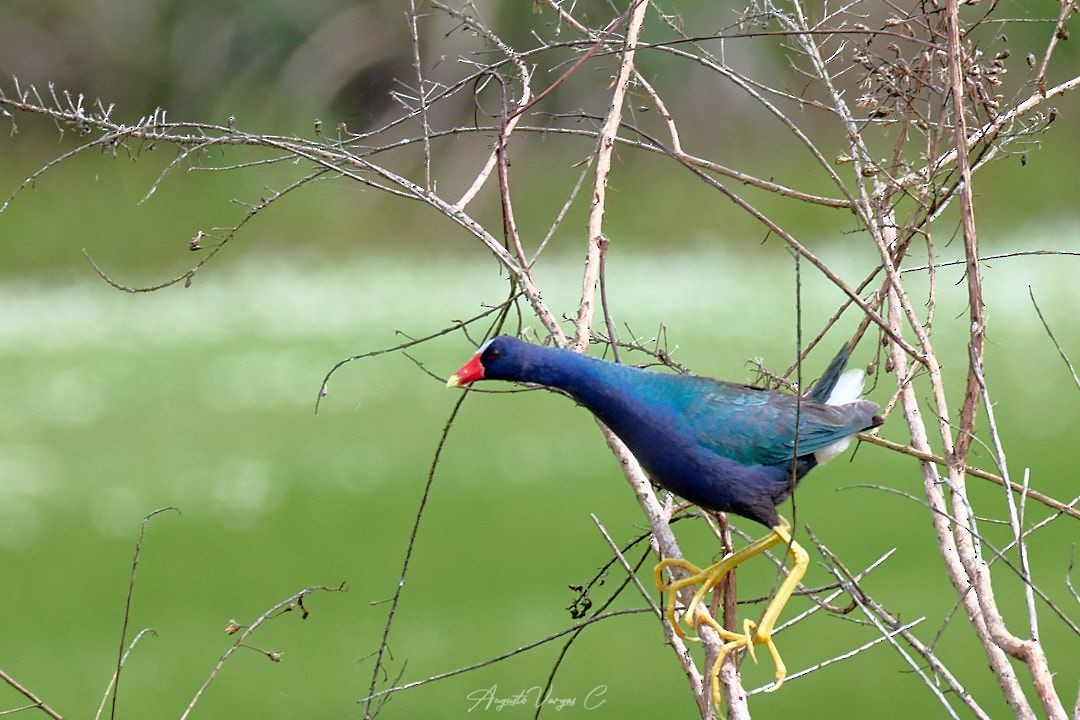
(500, 358)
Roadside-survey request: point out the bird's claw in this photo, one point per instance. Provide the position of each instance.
(748, 632)
(753, 633)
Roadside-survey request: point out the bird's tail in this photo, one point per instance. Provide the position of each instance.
(836, 387)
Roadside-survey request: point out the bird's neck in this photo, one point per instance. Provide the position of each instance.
(587, 379)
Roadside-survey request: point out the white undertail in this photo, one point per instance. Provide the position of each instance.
(848, 389)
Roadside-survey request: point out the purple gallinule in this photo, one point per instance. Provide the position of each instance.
(723, 446)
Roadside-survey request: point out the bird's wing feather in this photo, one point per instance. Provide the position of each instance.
(757, 427)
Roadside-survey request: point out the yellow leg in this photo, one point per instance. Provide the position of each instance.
(759, 633)
(800, 560)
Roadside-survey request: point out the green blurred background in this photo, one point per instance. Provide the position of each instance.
(116, 404)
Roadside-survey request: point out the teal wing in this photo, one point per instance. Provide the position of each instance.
(757, 427)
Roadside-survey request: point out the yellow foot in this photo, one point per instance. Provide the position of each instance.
(747, 641)
(707, 579)
(759, 633)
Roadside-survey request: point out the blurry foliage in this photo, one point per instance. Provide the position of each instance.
(193, 56)
(277, 66)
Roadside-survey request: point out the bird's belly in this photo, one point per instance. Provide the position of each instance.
(668, 451)
(709, 480)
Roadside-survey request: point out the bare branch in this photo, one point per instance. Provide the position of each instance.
(289, 604)
(604, 147)
(1068, 7)
(838, 658)
(667, 546)
(421, 91)
(37, 702)
(1065, 508)
(499, 658)
(859, 597)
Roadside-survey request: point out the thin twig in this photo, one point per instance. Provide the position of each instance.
(127, 604)
(1065, 508)
(1057, 345)
(630, 571)
(985, 258)
(421, 91)
(288, 604)
(412, 342)
(392, 611)
(123, 660)
(834, 567)
(631, 576)
(499, 658)
(609, 323)
(1068, 574)
(37, 702)
(1068, 7)
(837, 658)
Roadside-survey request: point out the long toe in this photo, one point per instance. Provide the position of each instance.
(781, 668)
(714, 676)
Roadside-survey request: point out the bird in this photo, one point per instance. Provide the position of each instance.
(723, 446)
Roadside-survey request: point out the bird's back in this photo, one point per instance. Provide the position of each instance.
(749, 425)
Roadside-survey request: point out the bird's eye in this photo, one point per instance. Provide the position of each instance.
(492, 354)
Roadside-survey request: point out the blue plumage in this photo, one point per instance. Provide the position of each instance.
(722, 446)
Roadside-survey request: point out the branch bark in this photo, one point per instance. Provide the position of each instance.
(605, 144)
(34, 699)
